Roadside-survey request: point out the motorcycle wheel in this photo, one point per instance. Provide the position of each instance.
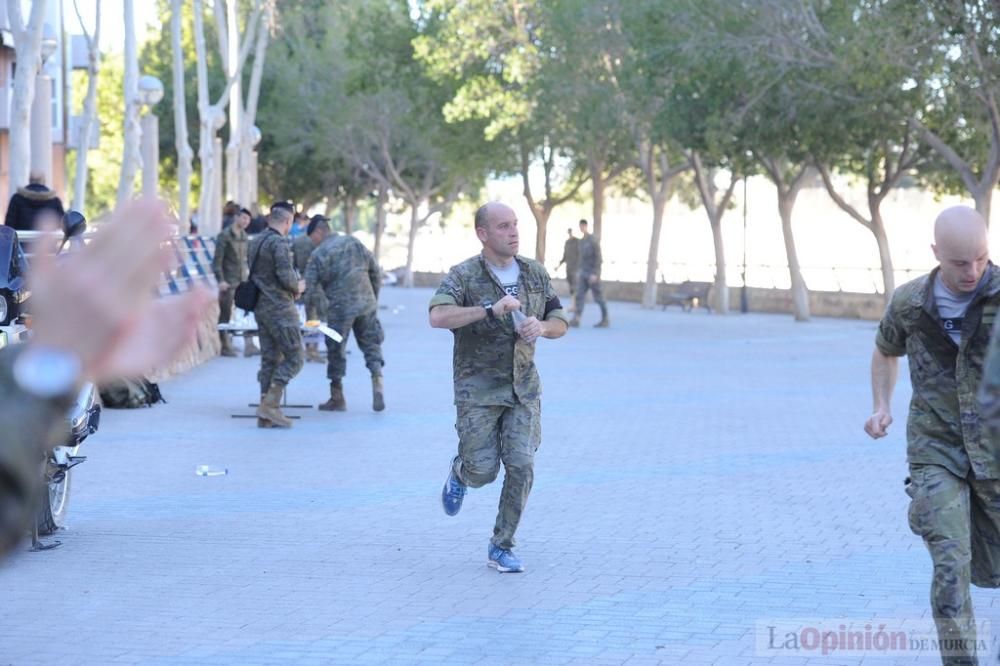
(54, 502)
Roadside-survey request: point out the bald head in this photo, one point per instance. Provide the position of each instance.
(496, 227)
(961, 247)
(490, 212)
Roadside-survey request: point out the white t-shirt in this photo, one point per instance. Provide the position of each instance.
(952, 307)
(507, 277)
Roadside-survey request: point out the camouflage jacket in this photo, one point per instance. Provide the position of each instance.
(944, 426)
(275, 276)
(590, 255)
(347, 273)
(492, 364)
(230, 261)
(302, 247)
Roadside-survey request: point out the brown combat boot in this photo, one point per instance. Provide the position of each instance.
(378, 393)
(336, 403)
(604, 323)
(227, 345)
(249, 348)
(269, 409)
(575, 322)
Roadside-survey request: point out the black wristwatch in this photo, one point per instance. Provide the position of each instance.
(488, 306)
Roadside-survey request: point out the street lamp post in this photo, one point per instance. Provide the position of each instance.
(150, 93)
(41, 110)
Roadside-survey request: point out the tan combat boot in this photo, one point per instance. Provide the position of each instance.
(336, 403)
(249, 348)
(227, 345)
(378, 393)
(604, 323)
(575, 322)
(269, 409)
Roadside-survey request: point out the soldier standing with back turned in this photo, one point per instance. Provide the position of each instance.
(277, 317)
(589, 277)
(346, 271)
(942, 323)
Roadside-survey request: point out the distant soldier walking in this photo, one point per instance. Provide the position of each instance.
(942, 323)
(230, 267)
(589, 277)
(571, 257)
(497, 305)
(277, 317)
(346, 271)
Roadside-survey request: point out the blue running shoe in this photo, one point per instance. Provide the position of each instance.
(503, 560)
(453, 493)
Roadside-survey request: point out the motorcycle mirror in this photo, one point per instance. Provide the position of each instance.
(74, 224)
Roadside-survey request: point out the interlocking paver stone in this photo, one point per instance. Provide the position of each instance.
(697, 475)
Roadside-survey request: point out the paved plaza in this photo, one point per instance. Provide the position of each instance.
(699, 477)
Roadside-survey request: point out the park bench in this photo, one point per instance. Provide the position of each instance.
(687, 294)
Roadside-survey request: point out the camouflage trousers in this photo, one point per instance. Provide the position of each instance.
(368, 331)
(490, 435)
(582, 285)
(959, 520)
(281, 355)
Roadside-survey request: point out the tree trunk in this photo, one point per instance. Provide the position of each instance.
(541, 216)
(131, 158)
(380, 215)
(410, 243)
(350, 215)
(28, 45)
(89, 115)
(721, 295)
(185, 154)
(231, 62)
(800, 293)
(884, 254)
(597, 182)
(247, 165)
(652, 262)
(984, 198)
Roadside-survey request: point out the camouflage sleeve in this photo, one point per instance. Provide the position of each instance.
(313, 287)
(451, 291)
(284, 269)
(553, 307)
(220, 252)
(374, 271)
(989, 390)
(891, 336)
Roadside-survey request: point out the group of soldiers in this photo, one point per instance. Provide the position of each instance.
(335, 277)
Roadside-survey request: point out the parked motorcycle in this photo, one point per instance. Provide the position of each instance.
(85, 415)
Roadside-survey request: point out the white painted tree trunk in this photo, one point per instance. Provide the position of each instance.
(27, 48)
(247, 164)
(211, 117)
(185, 154)
(231, 61)
(131, 157)
(86, 127)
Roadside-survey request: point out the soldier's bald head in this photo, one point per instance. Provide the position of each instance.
(490, 212)
(960, 229)
(961, 248)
